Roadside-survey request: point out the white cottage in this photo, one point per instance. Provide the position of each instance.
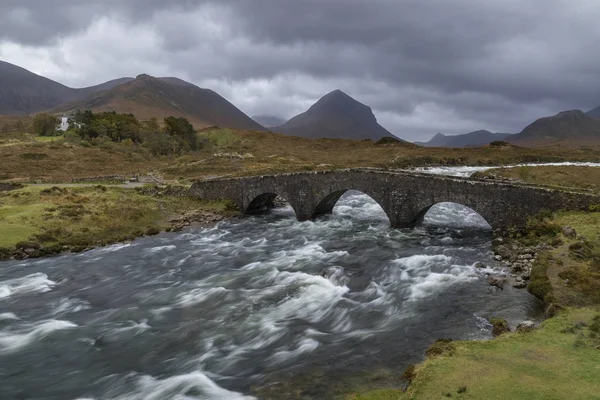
(64, 123)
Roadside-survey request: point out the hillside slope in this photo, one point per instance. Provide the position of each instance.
(148, 97)
(568, 127)
(595, 113)
(471, 139)
(336, 115)
(22, 92)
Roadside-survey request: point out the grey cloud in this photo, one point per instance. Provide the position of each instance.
(495, 64)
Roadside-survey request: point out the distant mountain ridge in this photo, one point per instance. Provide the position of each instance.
(567, 127)
(22, 92)
(471, 139)
(595, 113)
(338, 116)
(147, 97)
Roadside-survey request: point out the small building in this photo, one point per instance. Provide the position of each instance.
(64, 123)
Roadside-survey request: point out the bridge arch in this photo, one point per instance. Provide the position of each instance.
(263, 201)
(449, 213)
(327, 202)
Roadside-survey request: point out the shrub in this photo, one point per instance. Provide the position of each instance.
(34, 156)
(441, 346)
(499, 326)
(45, 124)
(409, 374)
(525, 172)
(539, 284)
(387, 140)
(72, 137)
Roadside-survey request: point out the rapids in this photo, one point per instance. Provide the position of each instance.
(213, 313)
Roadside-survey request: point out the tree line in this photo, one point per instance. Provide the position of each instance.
(176, 135)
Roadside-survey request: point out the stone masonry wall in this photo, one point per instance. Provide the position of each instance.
(403, 196)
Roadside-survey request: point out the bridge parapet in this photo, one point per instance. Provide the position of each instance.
(404, 196)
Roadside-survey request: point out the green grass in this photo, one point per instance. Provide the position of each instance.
(80, 217)
(48, 139)
(558, 361)
(572, 177)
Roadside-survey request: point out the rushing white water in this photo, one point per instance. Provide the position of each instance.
(464, 171)
(211, 313)
(33, 283)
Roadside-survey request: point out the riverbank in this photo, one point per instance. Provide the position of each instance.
(560, 359)
(574, 177)
(40, 221)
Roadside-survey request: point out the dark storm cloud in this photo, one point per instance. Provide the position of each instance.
(422, 65)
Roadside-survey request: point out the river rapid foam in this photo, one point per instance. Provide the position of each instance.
(211, 313)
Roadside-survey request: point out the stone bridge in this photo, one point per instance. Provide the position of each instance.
(404, 196)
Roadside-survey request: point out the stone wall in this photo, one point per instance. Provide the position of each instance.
(404, 196)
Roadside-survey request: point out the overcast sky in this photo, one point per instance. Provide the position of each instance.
(431, 66)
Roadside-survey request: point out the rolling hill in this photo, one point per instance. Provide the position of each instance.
(336, 115)
(148, 97)
(572, 127)
(22, 92)
(471, 139)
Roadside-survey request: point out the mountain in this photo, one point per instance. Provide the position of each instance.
(439, 140)
(22, 92)
(335, 115)
(268, 121)
(567, 127)
(471, 139)
(147, 97)
(595, 113)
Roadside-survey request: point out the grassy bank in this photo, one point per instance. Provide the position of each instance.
(580, 178)
(561, 360)
(46, 220)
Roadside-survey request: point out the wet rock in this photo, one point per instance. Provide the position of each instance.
(497, 281)
(517, 267)
(526, 326)
(30, 251)
(498, 257)
(528, 250)
(498, 240)
(504, 252)
(569, 232)
(520, 285)
(526, 274)
(480, 265)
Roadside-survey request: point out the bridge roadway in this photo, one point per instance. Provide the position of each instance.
(404, 196)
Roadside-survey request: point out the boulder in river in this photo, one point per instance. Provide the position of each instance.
(497, 281)
(520, 285)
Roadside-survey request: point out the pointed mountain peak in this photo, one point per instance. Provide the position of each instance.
(336, 115)
(336, 95)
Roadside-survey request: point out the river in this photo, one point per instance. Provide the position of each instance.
(261, 302)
